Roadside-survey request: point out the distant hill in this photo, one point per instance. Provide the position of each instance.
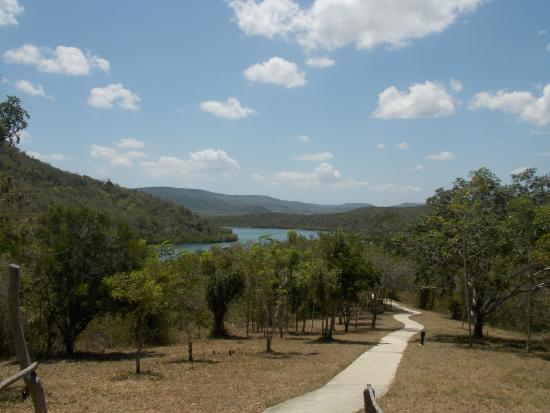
(211, 203)
(153, 219)
(376, 223)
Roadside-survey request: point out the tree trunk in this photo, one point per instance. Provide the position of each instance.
(190, 347)
(69, 342)
(529, 314)
(269, 339)
(478, 327)
(139, 341)
(218, 329)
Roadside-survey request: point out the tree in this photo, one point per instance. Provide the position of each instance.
(188, 296)
(141, 292)
(13, 120)
(225, 283)
(79, 248)
(481, 224)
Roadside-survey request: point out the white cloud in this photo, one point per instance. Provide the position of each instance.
(519, 170)
(105, 97)
(456, 85)
(331, 24)
(135, 155)
(9, 10)
(31, 89)
(277, 71)
(381, 146)
(424, 100)
(130, 143)
(529, 108)
(63, 60)
(320, 62)
(230, 109)
(403, 146)
(416, 168)
(315, 157)
(197, 164)
(48, 158)
(303, 138)
(324, 174)
(114, 157)
(441, 156)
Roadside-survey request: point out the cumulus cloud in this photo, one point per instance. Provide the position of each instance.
(324, 174)
(277, 71)
(111, 155)
(230, 109)
(63, 60)
(31, 89)
(303, 138)
(197, 164)
(529, 108)
(330, 24)
(320, 62)
(381, 146)
(416, 168)
(441, 156)
(25, 137)
(403, 146)
(106, 97)
(9, 10)
(424, 100)
(315, 157)
(130, 143)
(48, 158)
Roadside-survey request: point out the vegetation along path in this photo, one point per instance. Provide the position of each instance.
(377, 366)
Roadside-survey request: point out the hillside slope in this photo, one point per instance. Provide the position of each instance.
(211, 203)
(373, 222)
(153, 219)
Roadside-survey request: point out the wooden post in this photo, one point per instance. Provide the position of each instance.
(422, 337)
(370, 401)
(31, 380)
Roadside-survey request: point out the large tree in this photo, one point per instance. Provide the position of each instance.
(13, 120)
(225, 283)
(79, 248)
(487, 233)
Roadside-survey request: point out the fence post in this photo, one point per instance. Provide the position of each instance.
(370, 401)
(31, 380)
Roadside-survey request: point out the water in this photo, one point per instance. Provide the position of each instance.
(247, 235)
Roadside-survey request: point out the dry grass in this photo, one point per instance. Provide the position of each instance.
(248, 381)
(446, 375)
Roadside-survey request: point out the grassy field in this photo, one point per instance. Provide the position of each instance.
(445, 375)
(248, 381)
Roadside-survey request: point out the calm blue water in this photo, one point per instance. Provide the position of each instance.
(247, 235)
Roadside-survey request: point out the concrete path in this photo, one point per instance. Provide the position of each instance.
(377, 366)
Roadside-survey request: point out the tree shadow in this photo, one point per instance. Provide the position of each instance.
(287, 355)
(183, 360)
(539, 349)
(144, 375)
(98, 357)
(322, 340)
(13, 394)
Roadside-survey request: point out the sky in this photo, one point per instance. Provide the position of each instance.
(326, 101)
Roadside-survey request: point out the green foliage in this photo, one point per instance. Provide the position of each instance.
(13, 120)
(78, 249)
(225, 282)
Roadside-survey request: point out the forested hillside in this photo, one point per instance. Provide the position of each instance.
(212, 203)
(372, 222)
(153, 219)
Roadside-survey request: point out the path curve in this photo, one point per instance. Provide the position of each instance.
(377, 366)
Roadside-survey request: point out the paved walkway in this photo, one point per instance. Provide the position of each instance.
(377, 366)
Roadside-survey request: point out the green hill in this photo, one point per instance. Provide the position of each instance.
(211, 203)
(372, 222)
(153, 219)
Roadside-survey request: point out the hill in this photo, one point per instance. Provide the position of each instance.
(212, 203)
(153, 219)
(373, 222)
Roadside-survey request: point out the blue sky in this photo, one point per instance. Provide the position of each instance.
(326, 101)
